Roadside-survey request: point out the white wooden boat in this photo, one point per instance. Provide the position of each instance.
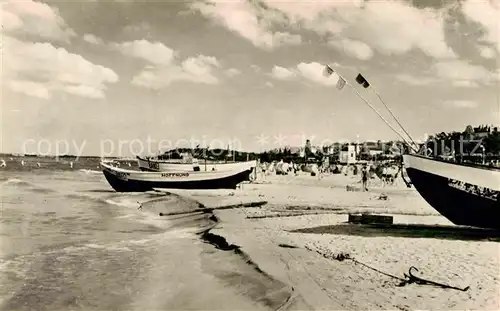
(123, 180)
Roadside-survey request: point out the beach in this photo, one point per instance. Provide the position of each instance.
(275, 236)
(68, 242)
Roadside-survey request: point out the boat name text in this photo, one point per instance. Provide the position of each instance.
(174, 174)
(154, 165)
(473, 189)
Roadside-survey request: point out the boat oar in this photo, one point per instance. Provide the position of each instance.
(417, 280)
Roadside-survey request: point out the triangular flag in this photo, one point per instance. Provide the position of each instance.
(362, 81)
(341, 83)
(328, 71)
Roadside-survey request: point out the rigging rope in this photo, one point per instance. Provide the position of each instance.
(378, 113)
(390, 111)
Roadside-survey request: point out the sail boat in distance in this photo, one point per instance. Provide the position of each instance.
(465, 193)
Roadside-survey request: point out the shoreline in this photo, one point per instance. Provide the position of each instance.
(252, 282)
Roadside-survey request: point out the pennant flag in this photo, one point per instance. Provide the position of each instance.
(341, 83)
(328, 71)
(362, 81)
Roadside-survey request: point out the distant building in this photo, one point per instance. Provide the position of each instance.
(348, 154)
(375, 152)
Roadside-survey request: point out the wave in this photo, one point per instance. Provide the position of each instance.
(87, 171)
(26, 184)
(15, 181)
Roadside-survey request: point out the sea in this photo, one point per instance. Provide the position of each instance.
(69, 242)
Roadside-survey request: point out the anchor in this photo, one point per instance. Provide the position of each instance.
(420, 281)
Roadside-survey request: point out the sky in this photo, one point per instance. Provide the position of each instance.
(119, 77)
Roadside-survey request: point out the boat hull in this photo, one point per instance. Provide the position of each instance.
(130, 181)
(151, 165)
(445, 187)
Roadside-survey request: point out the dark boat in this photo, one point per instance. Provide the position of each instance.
(466, 194)
(122, 180)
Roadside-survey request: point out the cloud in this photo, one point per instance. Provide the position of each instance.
(164, 67)
(487, 52)
(390, 27)
(461, 103)
(247, 19)
(232, 72)
(90, 38)
(197, 69)
(281, 73)
(35, 19)
(269, 84)
(353, 48)
(40, 69)
(34, 89)
(314, 72)
(309, 71)
(459, 70)
(485, 13)
(255, 68)
(464, 83)
(457, 73)
(154, 52)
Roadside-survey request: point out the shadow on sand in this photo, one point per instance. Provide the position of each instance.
(408, 231)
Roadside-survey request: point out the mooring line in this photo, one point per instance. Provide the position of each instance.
(408, 278)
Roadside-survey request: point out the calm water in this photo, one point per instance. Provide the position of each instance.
(68, 242)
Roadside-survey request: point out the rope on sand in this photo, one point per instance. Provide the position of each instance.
(408, 278)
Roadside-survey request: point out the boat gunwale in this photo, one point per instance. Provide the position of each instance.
(471, 165)
(200, 162)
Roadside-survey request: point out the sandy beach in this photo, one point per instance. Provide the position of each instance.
(293, 237)
(71, 243)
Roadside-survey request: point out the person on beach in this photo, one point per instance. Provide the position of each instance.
(364, 177)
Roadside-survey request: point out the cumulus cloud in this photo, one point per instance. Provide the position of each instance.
(164, 66)
(247, 19)
(197, 69)
(232, 72)
(312, 72)
(485, 13)
(154, 52)
(464, 83)
(92, 39)
(36, 19)
(353, 48)
(487, 52)
(281, 73)
(456, 73)
(255, 68)
(40, 69)
(390, 27)
(459, 70)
